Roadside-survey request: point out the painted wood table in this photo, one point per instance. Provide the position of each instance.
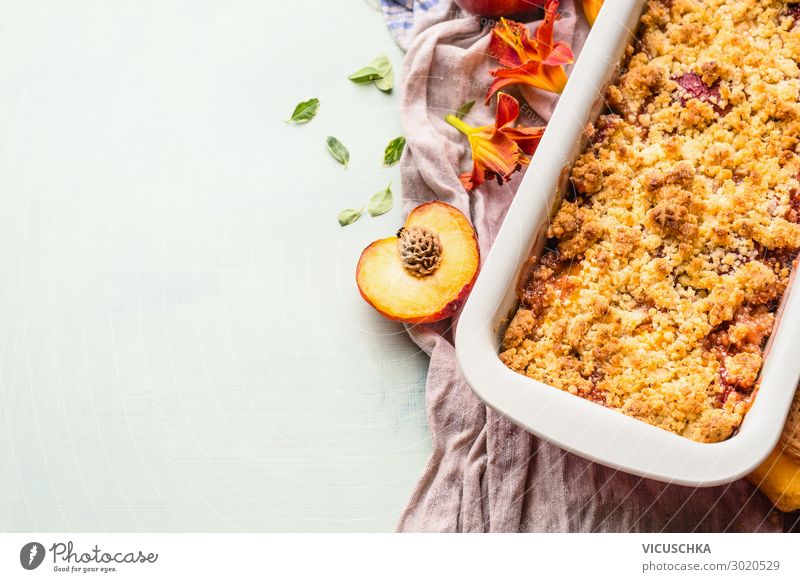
(183, 346)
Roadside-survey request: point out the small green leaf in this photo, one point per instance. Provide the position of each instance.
(381, 202)
(305, 111)
(365, 75)
(350, 215)
(378, 71)
(464, 109)
(386, 83)
(393, 151)
(382, 64)
(338, 151)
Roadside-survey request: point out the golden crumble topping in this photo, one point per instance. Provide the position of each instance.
(666, 262)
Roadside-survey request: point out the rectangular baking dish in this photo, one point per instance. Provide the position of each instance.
(577, 425)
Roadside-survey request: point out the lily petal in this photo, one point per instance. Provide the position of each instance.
(502, 80)
(498, 157)
(507, 110)
(560, 55)
(544, 34)
(527, 138)
(506, 44)
(545, 77)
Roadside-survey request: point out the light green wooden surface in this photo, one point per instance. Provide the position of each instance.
(183, 346)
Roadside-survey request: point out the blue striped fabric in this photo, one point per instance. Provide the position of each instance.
(400, 16)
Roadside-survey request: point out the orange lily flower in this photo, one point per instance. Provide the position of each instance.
(498, 150)
(591, 8)
(538, 62)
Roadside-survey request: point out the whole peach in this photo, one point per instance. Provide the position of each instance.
(499, 7)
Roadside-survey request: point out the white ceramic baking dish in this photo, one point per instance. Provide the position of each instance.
(587, 429)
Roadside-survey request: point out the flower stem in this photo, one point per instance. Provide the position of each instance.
(458, 124)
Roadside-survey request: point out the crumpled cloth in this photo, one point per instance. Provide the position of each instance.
(486, 474)
(407, 18)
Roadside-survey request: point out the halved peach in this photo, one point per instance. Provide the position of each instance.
(424, 273)
(778, 477)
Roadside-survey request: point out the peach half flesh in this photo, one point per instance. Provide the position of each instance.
(426, 272)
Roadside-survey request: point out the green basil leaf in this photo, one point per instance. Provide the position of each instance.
(338, 151)
(365, 75)
(382, 64)
(305, 111)
(393, 151)
(379, 71)
(349, 216)
(386, 83)
(381, 202)
(464, 109)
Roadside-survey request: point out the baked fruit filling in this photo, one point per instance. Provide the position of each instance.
(666, 261)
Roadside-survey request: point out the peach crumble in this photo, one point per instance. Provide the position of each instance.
(665, 263)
